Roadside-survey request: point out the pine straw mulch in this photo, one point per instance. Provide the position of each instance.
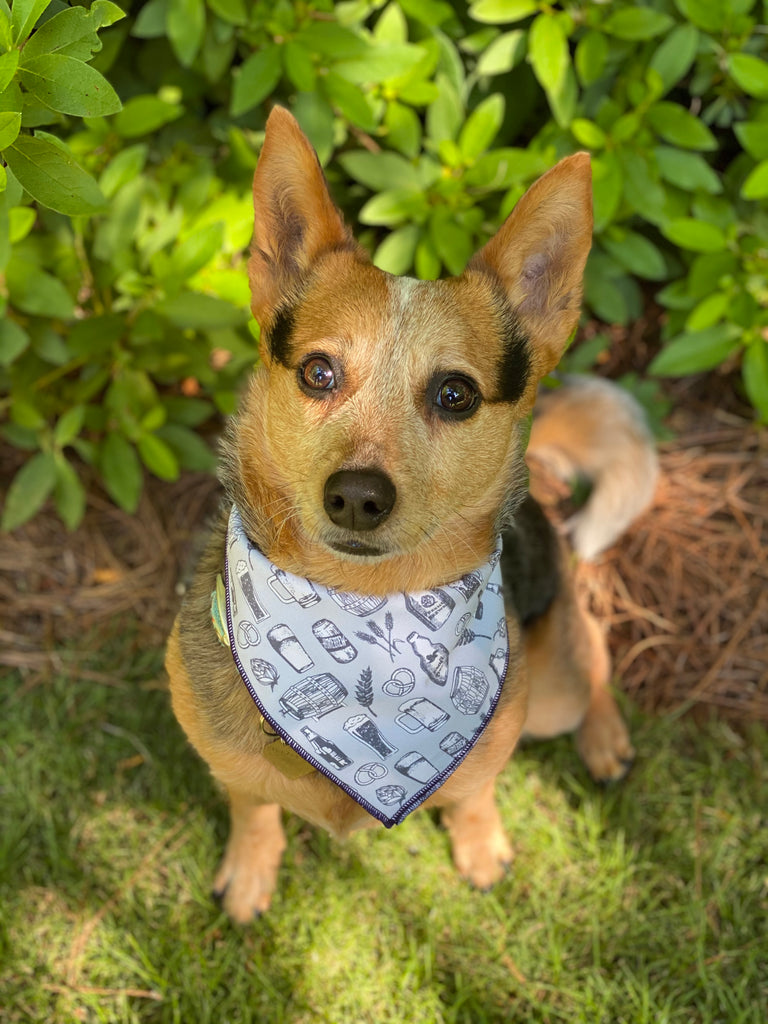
(685, 592)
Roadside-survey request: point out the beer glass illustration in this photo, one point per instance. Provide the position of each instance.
(313, 697)
(246, 584)
(334, 641)
(357, 604)
(287, 645)
(415, 766)
(290, 589)
(432, 608)
(420, 713)
(365, 729)
(469, 689)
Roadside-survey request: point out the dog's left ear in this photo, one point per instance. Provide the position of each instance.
(295, 217)
(539, 255)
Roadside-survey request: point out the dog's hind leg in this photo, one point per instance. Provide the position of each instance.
(247, 875)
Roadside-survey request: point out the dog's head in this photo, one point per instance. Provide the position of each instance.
(380, 436)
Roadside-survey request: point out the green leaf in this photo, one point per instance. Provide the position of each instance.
(608, 185)
(299, 66)
(69, 425)
(28, 490)
(185, 23)
(24, 15)
(687, 170)
(675, 55)
(678, 126)
(158, 457)
(314, 114)
(32, 290)
(481, 127)
(446, 114)
(751, 73)
(10, 124)
(636, 23)
(9, 62)
(189, 448)
(233, 11)
(499, 12)
(380, 171)
(201, 312)
(403, 129)
(120, 471)
(588, 133)
(255, 79)
(350, 100)
(193, 253)
(452, 242)
(393, 207)
(73, 31)
(753, 135)
(756, 185)
(754, 371)
(426, 261)
(503, 54)
(69, 86)
(707, 14)
(502, 168)
(69, 494)
(13, 341)
(52, 177)
(151, 20)
(124, 167)
(144, 114)
(548, 51)
(636, 253)
(590, 57)
(396, 253)
(695, 351)
(380, 63)
(708, 312)
(696, 235)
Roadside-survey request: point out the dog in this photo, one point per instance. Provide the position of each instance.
(378, 456)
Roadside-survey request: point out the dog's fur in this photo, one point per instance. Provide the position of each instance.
(502, 324)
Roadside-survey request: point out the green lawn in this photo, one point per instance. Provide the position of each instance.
(645, 902)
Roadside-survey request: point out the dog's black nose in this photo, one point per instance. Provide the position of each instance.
(358, 499)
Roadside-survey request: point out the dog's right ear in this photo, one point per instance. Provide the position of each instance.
(295, 218)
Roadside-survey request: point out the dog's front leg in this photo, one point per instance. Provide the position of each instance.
(481, 850)
(247, 874)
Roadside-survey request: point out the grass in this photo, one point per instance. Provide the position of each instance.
(641, 903)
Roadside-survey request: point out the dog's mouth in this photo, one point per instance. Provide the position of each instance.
(357, 548)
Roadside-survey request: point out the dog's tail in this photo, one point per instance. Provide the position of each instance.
(591, 429)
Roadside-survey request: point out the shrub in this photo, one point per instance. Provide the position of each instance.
(128, 144)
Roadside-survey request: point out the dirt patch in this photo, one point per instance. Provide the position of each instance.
(685, 593)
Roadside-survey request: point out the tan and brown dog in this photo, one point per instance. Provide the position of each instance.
(379, 449)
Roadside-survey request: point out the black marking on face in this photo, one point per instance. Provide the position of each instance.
(279, 335)
(515, 362)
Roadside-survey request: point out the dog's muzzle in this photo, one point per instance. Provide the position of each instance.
(358, 499)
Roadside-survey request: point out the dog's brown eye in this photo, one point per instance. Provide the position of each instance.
(317, 374)
(456, 395)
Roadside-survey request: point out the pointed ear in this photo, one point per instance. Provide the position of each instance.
(295, 218)
(539, 255)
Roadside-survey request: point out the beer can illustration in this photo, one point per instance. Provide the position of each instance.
(469, 689)
(432, 608)
(365, 729)
(334, 641)
(415, 766)
(357, 604)
(246, 585)
(287, 645)
(420, 713)
(313, 697)
(453, 743)
(288, 588)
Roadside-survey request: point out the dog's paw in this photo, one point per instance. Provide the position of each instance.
(245, 882)
(604, 745)
(484, 859)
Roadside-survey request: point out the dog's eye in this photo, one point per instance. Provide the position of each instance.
(317, 374)
(456, 394)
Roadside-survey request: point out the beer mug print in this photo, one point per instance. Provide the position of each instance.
(420, 713)
(289, 589)
(415, 766)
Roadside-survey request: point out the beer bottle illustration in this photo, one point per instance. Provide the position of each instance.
(433, 658)
(324, 748)
(287, 645)
(334, 641)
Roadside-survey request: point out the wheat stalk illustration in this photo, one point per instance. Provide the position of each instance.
(364, 690)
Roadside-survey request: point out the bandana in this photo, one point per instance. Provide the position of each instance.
(383, 695)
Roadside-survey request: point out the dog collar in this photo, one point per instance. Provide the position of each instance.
(383, 695)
